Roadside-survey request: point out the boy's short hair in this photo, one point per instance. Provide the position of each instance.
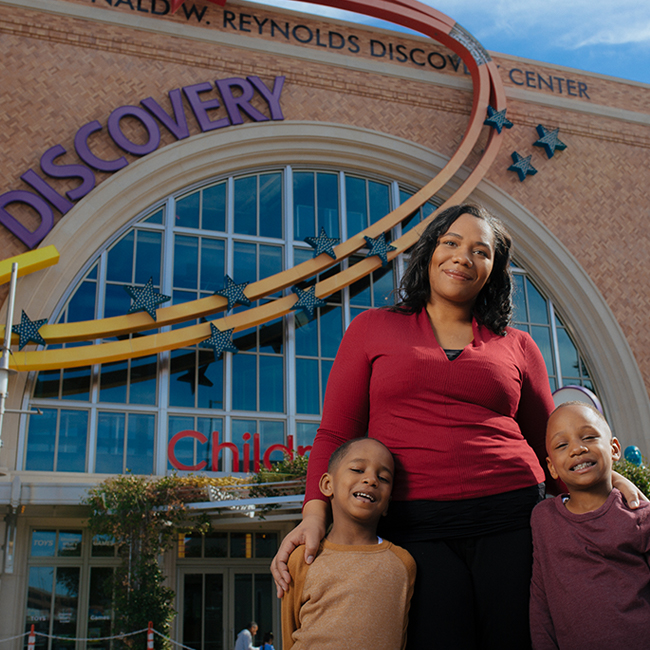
(339, 452)
(576, 402)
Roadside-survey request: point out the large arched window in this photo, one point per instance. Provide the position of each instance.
(120, 416)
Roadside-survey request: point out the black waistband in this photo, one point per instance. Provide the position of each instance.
(417, 521)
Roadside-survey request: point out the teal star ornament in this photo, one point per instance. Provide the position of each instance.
(379, 247)
(145, 298)
(220, 341)
(28, 331)
(323, 244)
(522, 166)
(308, 301)
(234, 292)
(549, 140)
(497, 119)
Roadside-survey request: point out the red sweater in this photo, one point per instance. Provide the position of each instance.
(458, 429)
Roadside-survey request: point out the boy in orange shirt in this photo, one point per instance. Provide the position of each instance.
(357, 591)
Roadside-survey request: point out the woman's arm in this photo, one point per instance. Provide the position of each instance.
(310, 531)
(630, 492)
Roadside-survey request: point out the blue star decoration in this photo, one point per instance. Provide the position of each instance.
(145, 298)
(234, 292)
(323, 244)
(379, 247)
(307, 300)
(28, 331)
(549, 140)
(522, 166)
(497, 119)
(220, 341)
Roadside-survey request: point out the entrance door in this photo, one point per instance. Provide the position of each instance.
(218, 604)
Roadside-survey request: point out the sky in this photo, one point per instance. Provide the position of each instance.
(610, 37)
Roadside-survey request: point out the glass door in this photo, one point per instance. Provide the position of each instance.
(218, 604)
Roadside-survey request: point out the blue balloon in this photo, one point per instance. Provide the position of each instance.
(633, 455)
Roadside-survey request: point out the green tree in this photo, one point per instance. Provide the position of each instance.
(143, 516)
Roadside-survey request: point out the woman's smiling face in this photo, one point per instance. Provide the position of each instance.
(462, 261)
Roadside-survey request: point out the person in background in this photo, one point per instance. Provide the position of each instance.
(461, 400)
(245, 637)
(268, 641)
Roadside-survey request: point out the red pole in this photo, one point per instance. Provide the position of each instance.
(31, 640)
(149, 636)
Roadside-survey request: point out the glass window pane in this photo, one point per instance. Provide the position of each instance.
(266, 544)
(241, 545)
(109, 458)
(331, 330)
(360, 291)
(243, 597)
(147, 265)
(184, 449)
(187, 211)
(542, 336)
(143, 380)
(41, 441)
(186, 260)
(216, 545)
(306, 333)
(379, 200)
(272, 433)
(270, 261)
(306, 432)
(103, 546)
(271, 205)
(214, 208)
(244, 382)
(118, 301)
(327, 187)
(65, 605)
(243, 432)
(213, 622)
(271, 384)
(182, 378)
(73, 436)
(568, 355)
(536, 304)
(69, 543)
(212, 264)
(47, 384)
(518, 299)
(43, 543)
(120, 260)
(100, 603)
(76, 384)
(193, 545)
(82, 304)
(272, 336)
(156, 217)
(193, 609)
(246, 205)
(39, 602)
(355, 201)
(245, 262)
(113, 382)
(210, 381)
(140, 443)
(307, 397)
(303, 206)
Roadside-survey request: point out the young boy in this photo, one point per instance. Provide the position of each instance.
(591, 579)
(357, 591)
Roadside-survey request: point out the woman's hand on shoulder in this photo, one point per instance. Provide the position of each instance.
(310, 531)
(630, 492)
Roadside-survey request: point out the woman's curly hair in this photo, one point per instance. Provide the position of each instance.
(493, 306)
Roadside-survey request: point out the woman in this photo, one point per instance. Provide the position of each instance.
(462, 402)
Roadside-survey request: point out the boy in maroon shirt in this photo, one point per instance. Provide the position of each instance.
(591, 577)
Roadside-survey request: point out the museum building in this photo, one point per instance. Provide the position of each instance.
(255, 177)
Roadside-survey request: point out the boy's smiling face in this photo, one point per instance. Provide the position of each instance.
(360, 484)
(581, 448)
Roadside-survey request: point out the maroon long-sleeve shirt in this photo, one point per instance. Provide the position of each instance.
(470, 427)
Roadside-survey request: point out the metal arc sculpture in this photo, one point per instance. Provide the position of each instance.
(487, 91)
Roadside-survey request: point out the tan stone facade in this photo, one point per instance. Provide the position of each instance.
(579, 223)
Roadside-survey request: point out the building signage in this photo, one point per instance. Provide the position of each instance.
(254, 455)
(236, 94)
